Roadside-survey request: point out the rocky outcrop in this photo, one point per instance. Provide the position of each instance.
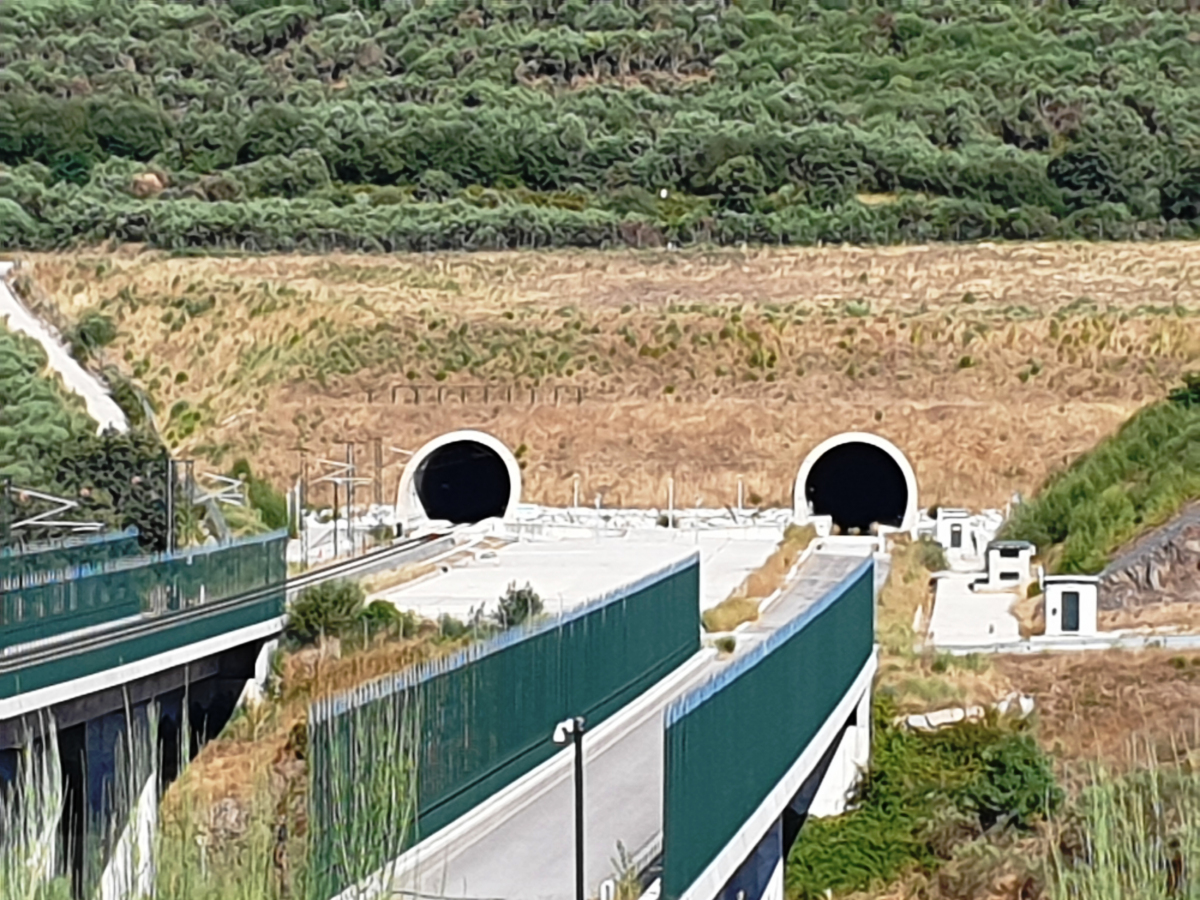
(1161, 567)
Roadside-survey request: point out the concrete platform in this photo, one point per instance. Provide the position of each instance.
(962, 617)
(567, 571)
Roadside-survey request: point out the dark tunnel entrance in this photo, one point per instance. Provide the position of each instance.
(857, 484)
(464, 482)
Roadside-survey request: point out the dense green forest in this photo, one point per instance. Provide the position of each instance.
(422, 124)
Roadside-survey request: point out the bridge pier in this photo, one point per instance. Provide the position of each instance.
(105, 752)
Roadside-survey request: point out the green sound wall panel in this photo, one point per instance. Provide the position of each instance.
(481, 720)
(729, 742)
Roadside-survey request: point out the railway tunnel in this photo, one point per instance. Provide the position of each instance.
(858, 479)
(461, 477)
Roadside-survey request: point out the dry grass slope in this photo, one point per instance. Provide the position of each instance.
(989, 365)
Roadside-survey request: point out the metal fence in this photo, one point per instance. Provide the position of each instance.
(480, 719)
(729, 742)
(46, 604)
(19, 563)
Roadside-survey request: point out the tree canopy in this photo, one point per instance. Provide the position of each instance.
(48, 443)
(421, 124)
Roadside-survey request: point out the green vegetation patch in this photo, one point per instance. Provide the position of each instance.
(37, 415)
(1132, 835)
(1131, 481)
(923, 795)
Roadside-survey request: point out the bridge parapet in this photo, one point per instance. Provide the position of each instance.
(38, 606)
(64, 632)
(395, 761)
(739, 747)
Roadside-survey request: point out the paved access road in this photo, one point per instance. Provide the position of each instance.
(525, 848)
(100, 406)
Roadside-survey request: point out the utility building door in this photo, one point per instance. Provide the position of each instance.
(1070, 617)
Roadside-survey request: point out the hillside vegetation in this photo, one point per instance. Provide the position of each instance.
(409, 125)
(1131, 481)
(37, 415)
(48, 443)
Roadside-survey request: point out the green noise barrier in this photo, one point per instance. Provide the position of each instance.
(396, 760)
(37, 606)
(17, 563)
(730, 741)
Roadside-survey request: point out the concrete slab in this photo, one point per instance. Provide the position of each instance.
(570, 571)
(962, 617)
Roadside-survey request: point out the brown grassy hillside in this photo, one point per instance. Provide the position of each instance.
(988, 365)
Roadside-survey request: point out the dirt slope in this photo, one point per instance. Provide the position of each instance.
(988, 365)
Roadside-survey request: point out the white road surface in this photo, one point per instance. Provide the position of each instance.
(100, 405)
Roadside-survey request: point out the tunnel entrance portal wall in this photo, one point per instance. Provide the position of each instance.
(857, 479)
(461, 477)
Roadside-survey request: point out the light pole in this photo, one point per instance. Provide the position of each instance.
(572, 730)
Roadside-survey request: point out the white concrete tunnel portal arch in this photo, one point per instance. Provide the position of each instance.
(462, 477)
(858, 479)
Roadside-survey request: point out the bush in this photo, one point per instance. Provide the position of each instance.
(931, 555)
(451, 628)
(382, 534)
(262, 496)
(518, 605)
(327, 609)
(380, 616)
(1188, 395)
(729, 614)
(93, 331)
(974, 775)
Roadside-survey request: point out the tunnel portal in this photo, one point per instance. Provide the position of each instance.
(858, 480)
(463, 482)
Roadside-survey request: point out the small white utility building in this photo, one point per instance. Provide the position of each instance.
(952, 529)
(1070, 604)
(1009, 566)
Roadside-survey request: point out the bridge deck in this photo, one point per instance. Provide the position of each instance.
(525, 848)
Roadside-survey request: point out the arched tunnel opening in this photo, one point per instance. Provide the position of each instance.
(858, 484)
(463, 482)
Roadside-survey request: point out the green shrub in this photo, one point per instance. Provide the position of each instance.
(331, 609)
(931, 555)
(381, 616)
(1189, 394)
(451, 628)
(262, 496)
(518, 605)
(382, 534)
(978, 774)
